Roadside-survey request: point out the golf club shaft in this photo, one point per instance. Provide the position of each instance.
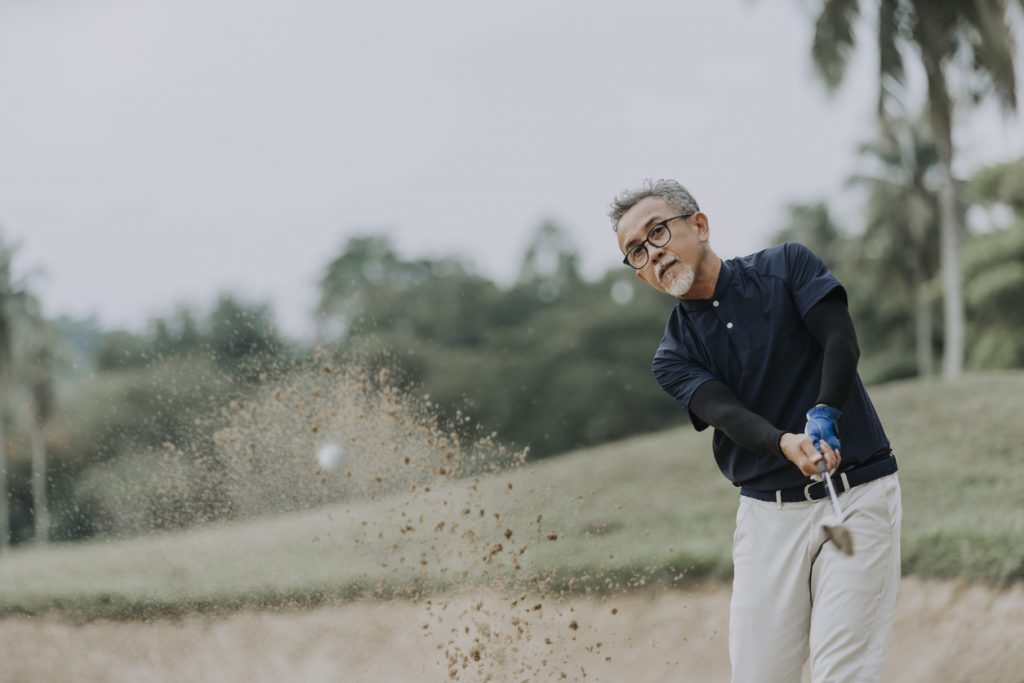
(823, 469)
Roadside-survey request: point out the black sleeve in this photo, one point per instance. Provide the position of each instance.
(830, 323)
(715, 404)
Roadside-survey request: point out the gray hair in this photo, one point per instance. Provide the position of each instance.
(671, 191)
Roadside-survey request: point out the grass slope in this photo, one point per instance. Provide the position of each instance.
(652, 508)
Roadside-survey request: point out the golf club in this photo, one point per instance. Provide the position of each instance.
(838, 534)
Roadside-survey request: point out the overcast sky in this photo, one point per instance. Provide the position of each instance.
(159, 152)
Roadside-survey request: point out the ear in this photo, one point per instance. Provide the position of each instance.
(703, 227)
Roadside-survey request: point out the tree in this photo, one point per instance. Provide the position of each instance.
(994, 266)
(887, 348)
(550, 264)
(899, 242)
(13, 298)
(7, 292)
(37, 364)
(999, 184)
(812, 226)
(554, 362)
(365, 265)
(949, 35)
(242, 338)
(369, 290)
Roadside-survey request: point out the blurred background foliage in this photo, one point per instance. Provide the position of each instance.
(117, 426)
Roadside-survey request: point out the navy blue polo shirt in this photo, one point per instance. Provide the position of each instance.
(751, 336)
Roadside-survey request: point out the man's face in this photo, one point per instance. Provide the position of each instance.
(672, 267)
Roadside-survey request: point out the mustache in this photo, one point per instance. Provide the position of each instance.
(662, 265)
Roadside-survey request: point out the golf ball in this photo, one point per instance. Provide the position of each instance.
(329, 456)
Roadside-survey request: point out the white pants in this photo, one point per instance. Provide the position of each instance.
(794, 593)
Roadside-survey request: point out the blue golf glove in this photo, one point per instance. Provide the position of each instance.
(822, 425)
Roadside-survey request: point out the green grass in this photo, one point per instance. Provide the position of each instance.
(649, 509)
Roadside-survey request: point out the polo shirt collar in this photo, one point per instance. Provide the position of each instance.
(724, 279)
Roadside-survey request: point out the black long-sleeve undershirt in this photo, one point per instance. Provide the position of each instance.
(830, 324)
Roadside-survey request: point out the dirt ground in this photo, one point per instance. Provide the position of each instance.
(945, 631)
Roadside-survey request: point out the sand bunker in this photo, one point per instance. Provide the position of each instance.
(944, 631)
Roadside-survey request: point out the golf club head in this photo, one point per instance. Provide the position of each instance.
(839, 535)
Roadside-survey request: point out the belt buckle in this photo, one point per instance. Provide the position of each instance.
(807, 492)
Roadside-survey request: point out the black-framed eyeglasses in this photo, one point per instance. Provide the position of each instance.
(658, 236)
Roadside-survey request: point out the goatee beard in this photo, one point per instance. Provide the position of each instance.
(682, 281)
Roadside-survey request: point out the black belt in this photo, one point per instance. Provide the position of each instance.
(844, 480)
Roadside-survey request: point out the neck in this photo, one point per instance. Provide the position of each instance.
(706, 277)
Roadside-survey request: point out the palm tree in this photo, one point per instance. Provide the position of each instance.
(973, 36)
(13, 301)
(7, 294)
(899, 236)
(37, 361)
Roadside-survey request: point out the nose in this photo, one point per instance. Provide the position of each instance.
(655, 254)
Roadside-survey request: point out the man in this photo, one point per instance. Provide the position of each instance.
(763, 349)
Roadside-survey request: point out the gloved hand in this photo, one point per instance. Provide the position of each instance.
(823, 425)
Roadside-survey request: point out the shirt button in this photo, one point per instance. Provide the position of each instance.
(728, 326)
(715, 304)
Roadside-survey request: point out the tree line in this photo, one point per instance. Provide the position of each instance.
(553, 362)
